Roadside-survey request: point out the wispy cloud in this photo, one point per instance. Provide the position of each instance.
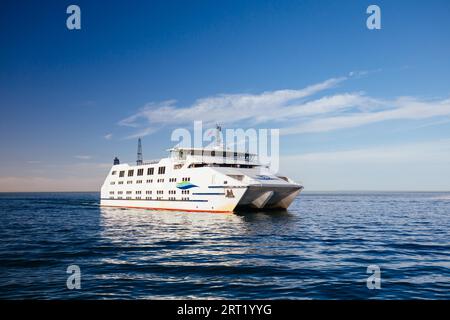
(83, 157)
(108, 136)
(294, 111)
(409, 166)
(404, 108)
(228, 108)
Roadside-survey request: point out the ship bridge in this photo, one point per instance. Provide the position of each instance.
(213, 157)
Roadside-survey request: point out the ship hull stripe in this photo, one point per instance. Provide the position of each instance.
(169, 209)
(208, 193)
(156, 200)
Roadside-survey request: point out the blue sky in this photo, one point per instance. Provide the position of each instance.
(372, 109)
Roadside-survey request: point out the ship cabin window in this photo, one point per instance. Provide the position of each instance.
(130, 173)
(121, 174)
(247, 157)
(161, 170)
(197, 165)
(213, 153)
(140, 172)
(178, 166)
(149, 180)
(186, 179)
(130, 182)
(113, 173)
(120, 182)
(150, 171)
(225, 182)
(235, 176)
(138, 181)
(235, 156)
(173, 180)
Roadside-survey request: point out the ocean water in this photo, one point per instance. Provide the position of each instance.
(319, 249)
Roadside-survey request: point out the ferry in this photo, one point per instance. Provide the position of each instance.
(210, 179)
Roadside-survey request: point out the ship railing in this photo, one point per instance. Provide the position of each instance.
(153, 161)
(209, 159)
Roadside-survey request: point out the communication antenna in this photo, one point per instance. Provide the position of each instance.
(139, 160)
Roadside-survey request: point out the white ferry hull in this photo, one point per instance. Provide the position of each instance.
(252, 197)
(217, 182)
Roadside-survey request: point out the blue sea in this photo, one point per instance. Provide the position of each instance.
(319, 249)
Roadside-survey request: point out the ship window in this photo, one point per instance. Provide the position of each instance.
(121, 174)
(161, 170)
(150, 171)
(178, 166)
(130, 173)
(237, 177)
(140, 172)
(113, 173)
(213, 153)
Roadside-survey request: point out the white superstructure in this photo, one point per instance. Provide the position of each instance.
(193, 179)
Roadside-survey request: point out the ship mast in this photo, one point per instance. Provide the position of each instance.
(218, 135)
(139, 160)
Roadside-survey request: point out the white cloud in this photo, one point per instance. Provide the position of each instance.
(83, 157)
(404, 108)
(294, 111)
(414, 166)
(108, 136)
(226, 108)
